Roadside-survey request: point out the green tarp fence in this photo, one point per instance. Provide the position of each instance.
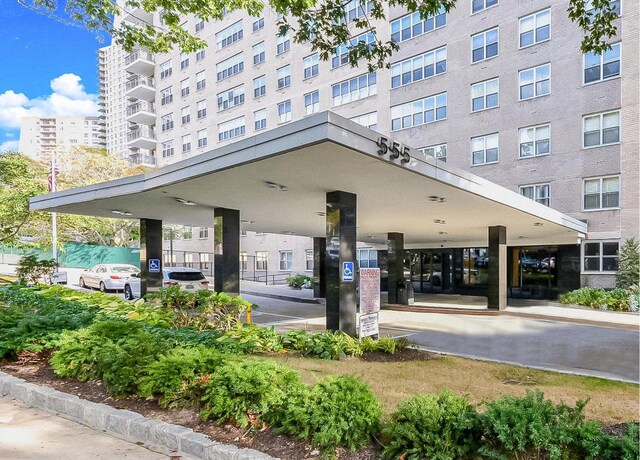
(76, 255)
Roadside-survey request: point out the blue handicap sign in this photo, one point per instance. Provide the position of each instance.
(347, 271)
(154, 265)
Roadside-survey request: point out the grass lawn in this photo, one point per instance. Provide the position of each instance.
(609, 402)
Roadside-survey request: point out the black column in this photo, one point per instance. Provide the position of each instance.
(341, 248)
(497, 270)
(226, 259)
(319, 267)
(395, 264)
(150, 256)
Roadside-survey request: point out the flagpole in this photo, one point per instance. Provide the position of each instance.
(54, 216)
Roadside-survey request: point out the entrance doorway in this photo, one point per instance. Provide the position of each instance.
(533, 272)
(431, 271)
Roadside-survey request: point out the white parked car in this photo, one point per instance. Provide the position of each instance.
(107, 277)
(189, 279)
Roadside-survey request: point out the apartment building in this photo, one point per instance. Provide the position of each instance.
(498, 89)
(41, 136)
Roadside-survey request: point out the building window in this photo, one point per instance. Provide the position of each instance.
(284, 111)
(186, 143)
(229, 35)
(341, 55)
(368, 120)
(201, 81)
(259, 54)
(260, 86)
(202, 138)
(420, 112)
(199, 24)
(283, 43)
(203, 233)
(200, 55)
(286, 260)
(258, 23)
(284, 76)
(599, 67)
(601, 193)
(484, 149)
(310, 66)
(479, 5)
(230, 67)
(601, 129)
(367, 258)
(260, 119)
(308, 260)
(232, 128)
(600, 256)
(535, 28)
(231, 98)
(535, 82)
(185, 115)
(244, 259)
(484, 45)
(165, 69)
(184, 61)
(589, 8)
(412, 25)
(187, 233)
(438, 152)
(539, 193)
(262, 258)
(312, 102)
(167, 122)
(355, 88)
(184, 88)
(419, 67)
(535, 141)
(202, 109)
(485, 95)
(356, 9)
(166, 96)
(167, 149)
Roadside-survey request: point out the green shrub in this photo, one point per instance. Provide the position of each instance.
(32, 270)
(299, 281)
(631, 442)
(249, 392)
(298, 341)
(331, 345)
(249, 338)
(591, 443)
(628, 265)
(530, 427)
(613, 300)
(429, 426)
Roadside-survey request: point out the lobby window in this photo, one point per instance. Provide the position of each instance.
(439, 152)
(600, 67)
(166, 96)
(230, 67)
(420, 112)
(203, 233)
(186, 143)
(601, 129)
(284, 76)
(165, 69)
(419, 67)
(412, 25)
(283, 43)
(244, 259)
(230, 35)
(535, 28)
(184, 87)
(312, 102)
(184, 61)
(202, 138)
(601, 193)
(534, 141)
(232, 128)
(167, 149)
(484, 45)
(368, 120)
(202, 109)
(260, 119)
(367, 258)
(480, 5)
(535, 82)
(354, 89)
(600, 256)
(201, 81)
(167, 122)
(539, 193)
(259, 54)
(286, 260)
(231, 98)
(262, 258)
(308, 260)
(484, 149)
(341, 55)
(310, 66)
(199, 24)
(260, 86)
(485, 95)
(284, 111)
(200, 55)
(185, 115)
(258, 23)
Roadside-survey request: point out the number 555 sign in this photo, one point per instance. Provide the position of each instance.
(394, 149)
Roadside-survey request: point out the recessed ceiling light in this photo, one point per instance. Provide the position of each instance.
(321, 213)
(442, 233)
(522, 237)
(185, 202)
(538, 224)
(275, 186)
(439, 221)
(371, 237)
(437, 199)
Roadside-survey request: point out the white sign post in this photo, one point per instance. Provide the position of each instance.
(369, 301)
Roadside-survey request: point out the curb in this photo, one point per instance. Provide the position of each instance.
(124, 423)
(281, 297)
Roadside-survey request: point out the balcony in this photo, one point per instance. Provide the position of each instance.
(142, 113)
(141, 138)
(141, 88)
(137, 158)
(140, 62)
(135, 14)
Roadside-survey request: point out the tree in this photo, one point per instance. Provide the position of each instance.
(628, 265)
(323, 24)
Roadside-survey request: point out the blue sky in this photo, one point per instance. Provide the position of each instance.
(46, 68)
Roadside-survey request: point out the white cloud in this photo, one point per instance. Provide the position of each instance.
(9, 146)
(68, 98)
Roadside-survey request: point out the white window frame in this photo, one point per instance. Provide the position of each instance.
(184, 61)
(412, 20)
(600, 256)
(283, 43)
(201, 80)
(262, 260)
(230, 66)
(485, 138)
(408, 109)
(484, 7)
(308, 267)
(259, 53)
(340, 56)
(537, 190)
(203, 233)
(311, 63)
(432, 151)
(483, 86)
(165, 69)
(166, 122)
(366, 120)
(262, 88)
(354, 89)
(312, 102)
(230, 98)
(283, 75)
(259, 22)
(201, 107)
(286, 261)
(368, 251)
(284, 116)
(231, 129)
(485, 45)
(199, 24)
(601, 129)
(535, 28)
(229, 35)
(200, 55)
(167, 149)
(202, 138)
(184, 87)
(185, 115)
(260, 120)
(601, 57)
(535, 129)
(166, 96)
(600, 193)
(534, 82)
(186, 143)
(413, 64)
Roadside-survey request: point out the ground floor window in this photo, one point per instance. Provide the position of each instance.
(286, 260)
(243, 260)
(367, 258)
(308, 255)
(600, 256)
(261, 260)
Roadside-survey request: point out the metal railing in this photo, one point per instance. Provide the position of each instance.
(137, 81)
(141, 132)
(142, 159)
(141, 107)
(138, 54)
